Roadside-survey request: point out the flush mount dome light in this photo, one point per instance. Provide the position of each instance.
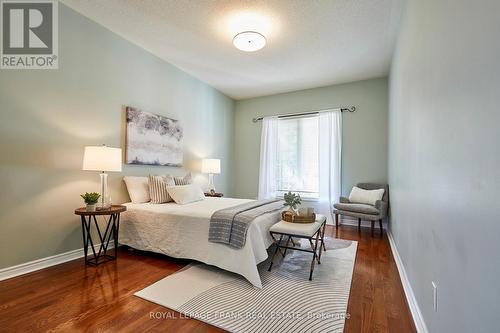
(249, 41)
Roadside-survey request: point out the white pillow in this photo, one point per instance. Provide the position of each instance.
(138, 189)
(184, 194)
(369, 197)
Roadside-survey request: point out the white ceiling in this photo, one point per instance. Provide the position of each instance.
(310, 43)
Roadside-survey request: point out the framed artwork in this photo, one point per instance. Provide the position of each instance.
(153, 139)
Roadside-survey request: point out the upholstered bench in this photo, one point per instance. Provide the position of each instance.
(311, 231)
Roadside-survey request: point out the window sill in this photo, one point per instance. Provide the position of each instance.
(303, 199)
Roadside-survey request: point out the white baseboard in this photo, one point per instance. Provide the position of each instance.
(35, 265)
(410, 296)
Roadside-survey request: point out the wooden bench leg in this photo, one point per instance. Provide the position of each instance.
(314, 256)
(322, 240)
(323, 236)
(381, 228)
(359, 224)
(336, 220)
(276, 241)
(312, 249)
(276, 251)
(286, 248)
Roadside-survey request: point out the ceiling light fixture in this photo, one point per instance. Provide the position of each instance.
(249, 41)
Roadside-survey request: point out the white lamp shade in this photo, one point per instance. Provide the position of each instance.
(210, 165)
(102, 158)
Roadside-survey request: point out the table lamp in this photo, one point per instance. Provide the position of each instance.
(103, 158)
(210, 166)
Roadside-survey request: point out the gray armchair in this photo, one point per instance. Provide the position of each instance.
(363, 211)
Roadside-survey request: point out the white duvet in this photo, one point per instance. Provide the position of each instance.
(181, 231)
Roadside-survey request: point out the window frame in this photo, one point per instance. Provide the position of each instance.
(281, 192)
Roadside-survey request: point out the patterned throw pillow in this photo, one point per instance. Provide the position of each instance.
(158, 188)
(186, 180)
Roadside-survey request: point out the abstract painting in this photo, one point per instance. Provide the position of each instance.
(153, 139)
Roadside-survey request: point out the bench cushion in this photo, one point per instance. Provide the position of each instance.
(357, 208)
(299, 229)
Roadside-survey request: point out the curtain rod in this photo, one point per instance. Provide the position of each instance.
(349, 109)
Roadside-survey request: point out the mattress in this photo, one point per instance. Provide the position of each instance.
(181, 231)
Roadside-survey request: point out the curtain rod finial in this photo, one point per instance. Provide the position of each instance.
(349, 109)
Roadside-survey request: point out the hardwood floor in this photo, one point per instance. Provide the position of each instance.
(74, 298)
(377, 301)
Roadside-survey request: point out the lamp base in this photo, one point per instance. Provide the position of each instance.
(105, 202)
(211, 186)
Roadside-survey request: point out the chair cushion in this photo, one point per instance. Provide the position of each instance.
(357, 208)
(368, 197)
(299, 229)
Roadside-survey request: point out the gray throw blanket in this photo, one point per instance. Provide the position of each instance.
(230, 225)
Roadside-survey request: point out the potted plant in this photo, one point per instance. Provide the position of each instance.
(91, 200)
(292, 200)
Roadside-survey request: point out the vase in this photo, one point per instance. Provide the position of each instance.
(292, 211)
(90, 207)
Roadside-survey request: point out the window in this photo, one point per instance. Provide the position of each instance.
(298, 156)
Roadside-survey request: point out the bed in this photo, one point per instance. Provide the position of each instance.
(181, 231)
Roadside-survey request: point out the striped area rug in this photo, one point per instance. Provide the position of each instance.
(288, 301)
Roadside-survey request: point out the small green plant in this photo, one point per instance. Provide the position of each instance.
(90, 198)
(292, 200)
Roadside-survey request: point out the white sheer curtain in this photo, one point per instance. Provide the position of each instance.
(330, 151)
(268, 158)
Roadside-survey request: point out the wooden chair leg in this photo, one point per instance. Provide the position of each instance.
(373, 226)
(381, 228)
(359, 224)
(336, 220)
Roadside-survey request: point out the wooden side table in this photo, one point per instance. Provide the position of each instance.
(112, 227)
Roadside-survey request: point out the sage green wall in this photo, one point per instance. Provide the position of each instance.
(444, 160)
(364, 148)
(48, 116)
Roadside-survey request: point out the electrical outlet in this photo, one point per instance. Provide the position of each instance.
(435, 296)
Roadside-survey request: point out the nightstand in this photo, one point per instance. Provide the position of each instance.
(215, 195)
(112, 227)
